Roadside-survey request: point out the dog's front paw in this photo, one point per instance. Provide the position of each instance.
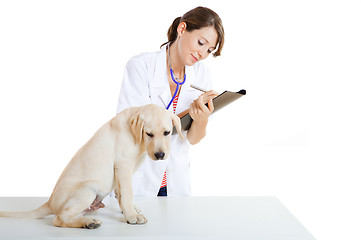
(136, 219)
(137, 209)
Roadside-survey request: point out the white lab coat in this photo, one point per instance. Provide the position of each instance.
(145, 81)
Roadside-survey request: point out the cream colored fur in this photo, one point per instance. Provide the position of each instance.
(106, 163)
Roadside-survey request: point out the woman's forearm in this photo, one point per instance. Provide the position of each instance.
(197, 132)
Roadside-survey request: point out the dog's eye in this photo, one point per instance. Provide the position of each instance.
(150, 135)
(166, 133)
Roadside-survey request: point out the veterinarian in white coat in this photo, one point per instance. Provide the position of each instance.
(147, 79)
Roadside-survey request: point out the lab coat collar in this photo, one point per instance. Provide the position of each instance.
(160, 75)
(162, 81)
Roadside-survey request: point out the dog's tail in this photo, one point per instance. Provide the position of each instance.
(40, 212)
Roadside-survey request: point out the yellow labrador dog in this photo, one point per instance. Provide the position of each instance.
(106, 163)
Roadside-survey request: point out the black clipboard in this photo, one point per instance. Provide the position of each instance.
(219, 102)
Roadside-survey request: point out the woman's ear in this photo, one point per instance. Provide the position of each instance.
(182, 27)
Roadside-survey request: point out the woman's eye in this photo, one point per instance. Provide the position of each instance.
(166, 133)
(200, 43)
(150, 135)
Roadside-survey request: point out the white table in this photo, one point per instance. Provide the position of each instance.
(249, 218)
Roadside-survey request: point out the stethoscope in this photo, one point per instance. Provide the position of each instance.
(175, 79)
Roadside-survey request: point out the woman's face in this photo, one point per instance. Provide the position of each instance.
(196, 45)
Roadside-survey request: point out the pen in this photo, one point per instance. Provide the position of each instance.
(198, 88)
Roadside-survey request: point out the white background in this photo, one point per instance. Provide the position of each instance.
(296, 135)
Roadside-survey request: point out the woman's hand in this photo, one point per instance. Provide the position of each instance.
(199, 112)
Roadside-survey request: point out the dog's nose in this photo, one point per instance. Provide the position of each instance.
(159, 155)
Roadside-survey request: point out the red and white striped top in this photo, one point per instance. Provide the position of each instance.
(164, 181)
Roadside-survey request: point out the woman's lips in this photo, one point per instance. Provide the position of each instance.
(194, 58)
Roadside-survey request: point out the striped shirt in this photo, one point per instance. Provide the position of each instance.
(164, 181)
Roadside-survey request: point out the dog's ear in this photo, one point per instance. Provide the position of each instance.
(177, 123)
(136, 123)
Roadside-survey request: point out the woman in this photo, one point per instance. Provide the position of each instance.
(148, 79)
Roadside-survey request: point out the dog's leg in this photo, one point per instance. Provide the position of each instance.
(117, 196)
(125, 197)
(72, 214)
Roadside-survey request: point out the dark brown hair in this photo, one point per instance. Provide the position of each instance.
(197, 18)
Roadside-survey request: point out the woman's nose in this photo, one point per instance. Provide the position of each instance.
(202, 53)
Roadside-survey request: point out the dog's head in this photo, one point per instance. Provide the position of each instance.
(153, 125)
